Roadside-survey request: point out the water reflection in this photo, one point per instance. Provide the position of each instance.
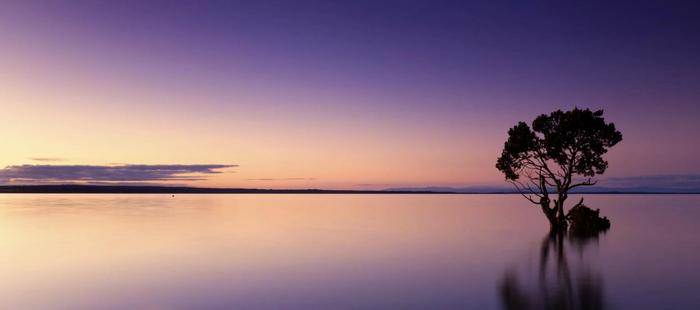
(340, 252)
(560, 283)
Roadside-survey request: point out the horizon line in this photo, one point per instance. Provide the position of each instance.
(154, 189)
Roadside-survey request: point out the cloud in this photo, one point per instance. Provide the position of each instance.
(283, 179)
(107, 173)
(662, 181)
(47, 159)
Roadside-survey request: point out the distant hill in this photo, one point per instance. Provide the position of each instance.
(469, 190)
(156, 189)
(590, 190)
(140, 189)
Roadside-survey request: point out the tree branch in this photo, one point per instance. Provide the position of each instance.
(528, 197)
(588, 182)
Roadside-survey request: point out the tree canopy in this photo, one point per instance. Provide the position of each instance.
(561, 151)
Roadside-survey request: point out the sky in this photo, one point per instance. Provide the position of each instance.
(335, 94)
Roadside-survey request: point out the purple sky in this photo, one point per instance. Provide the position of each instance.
(338, 94)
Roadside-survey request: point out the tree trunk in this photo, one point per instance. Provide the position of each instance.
(550, 213)
(561, 224)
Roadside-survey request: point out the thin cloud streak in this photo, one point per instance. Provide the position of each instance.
(283, 179)
(108, 173)
(48, 159)
(667, 183)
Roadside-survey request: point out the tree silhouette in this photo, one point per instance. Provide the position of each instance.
(562, 151)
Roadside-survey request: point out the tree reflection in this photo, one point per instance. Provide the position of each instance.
(556, 287)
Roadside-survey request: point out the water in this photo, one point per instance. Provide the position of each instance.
(341, 252)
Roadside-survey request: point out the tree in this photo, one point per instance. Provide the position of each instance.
(562, 151)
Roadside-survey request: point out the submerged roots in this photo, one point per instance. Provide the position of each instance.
(584, 221)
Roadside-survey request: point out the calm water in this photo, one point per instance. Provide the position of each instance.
(341, 252)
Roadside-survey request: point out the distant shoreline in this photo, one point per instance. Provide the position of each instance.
(119, 189)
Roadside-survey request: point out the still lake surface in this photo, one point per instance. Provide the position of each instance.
(342, 252)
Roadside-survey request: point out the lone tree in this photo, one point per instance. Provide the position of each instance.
(562, 151)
